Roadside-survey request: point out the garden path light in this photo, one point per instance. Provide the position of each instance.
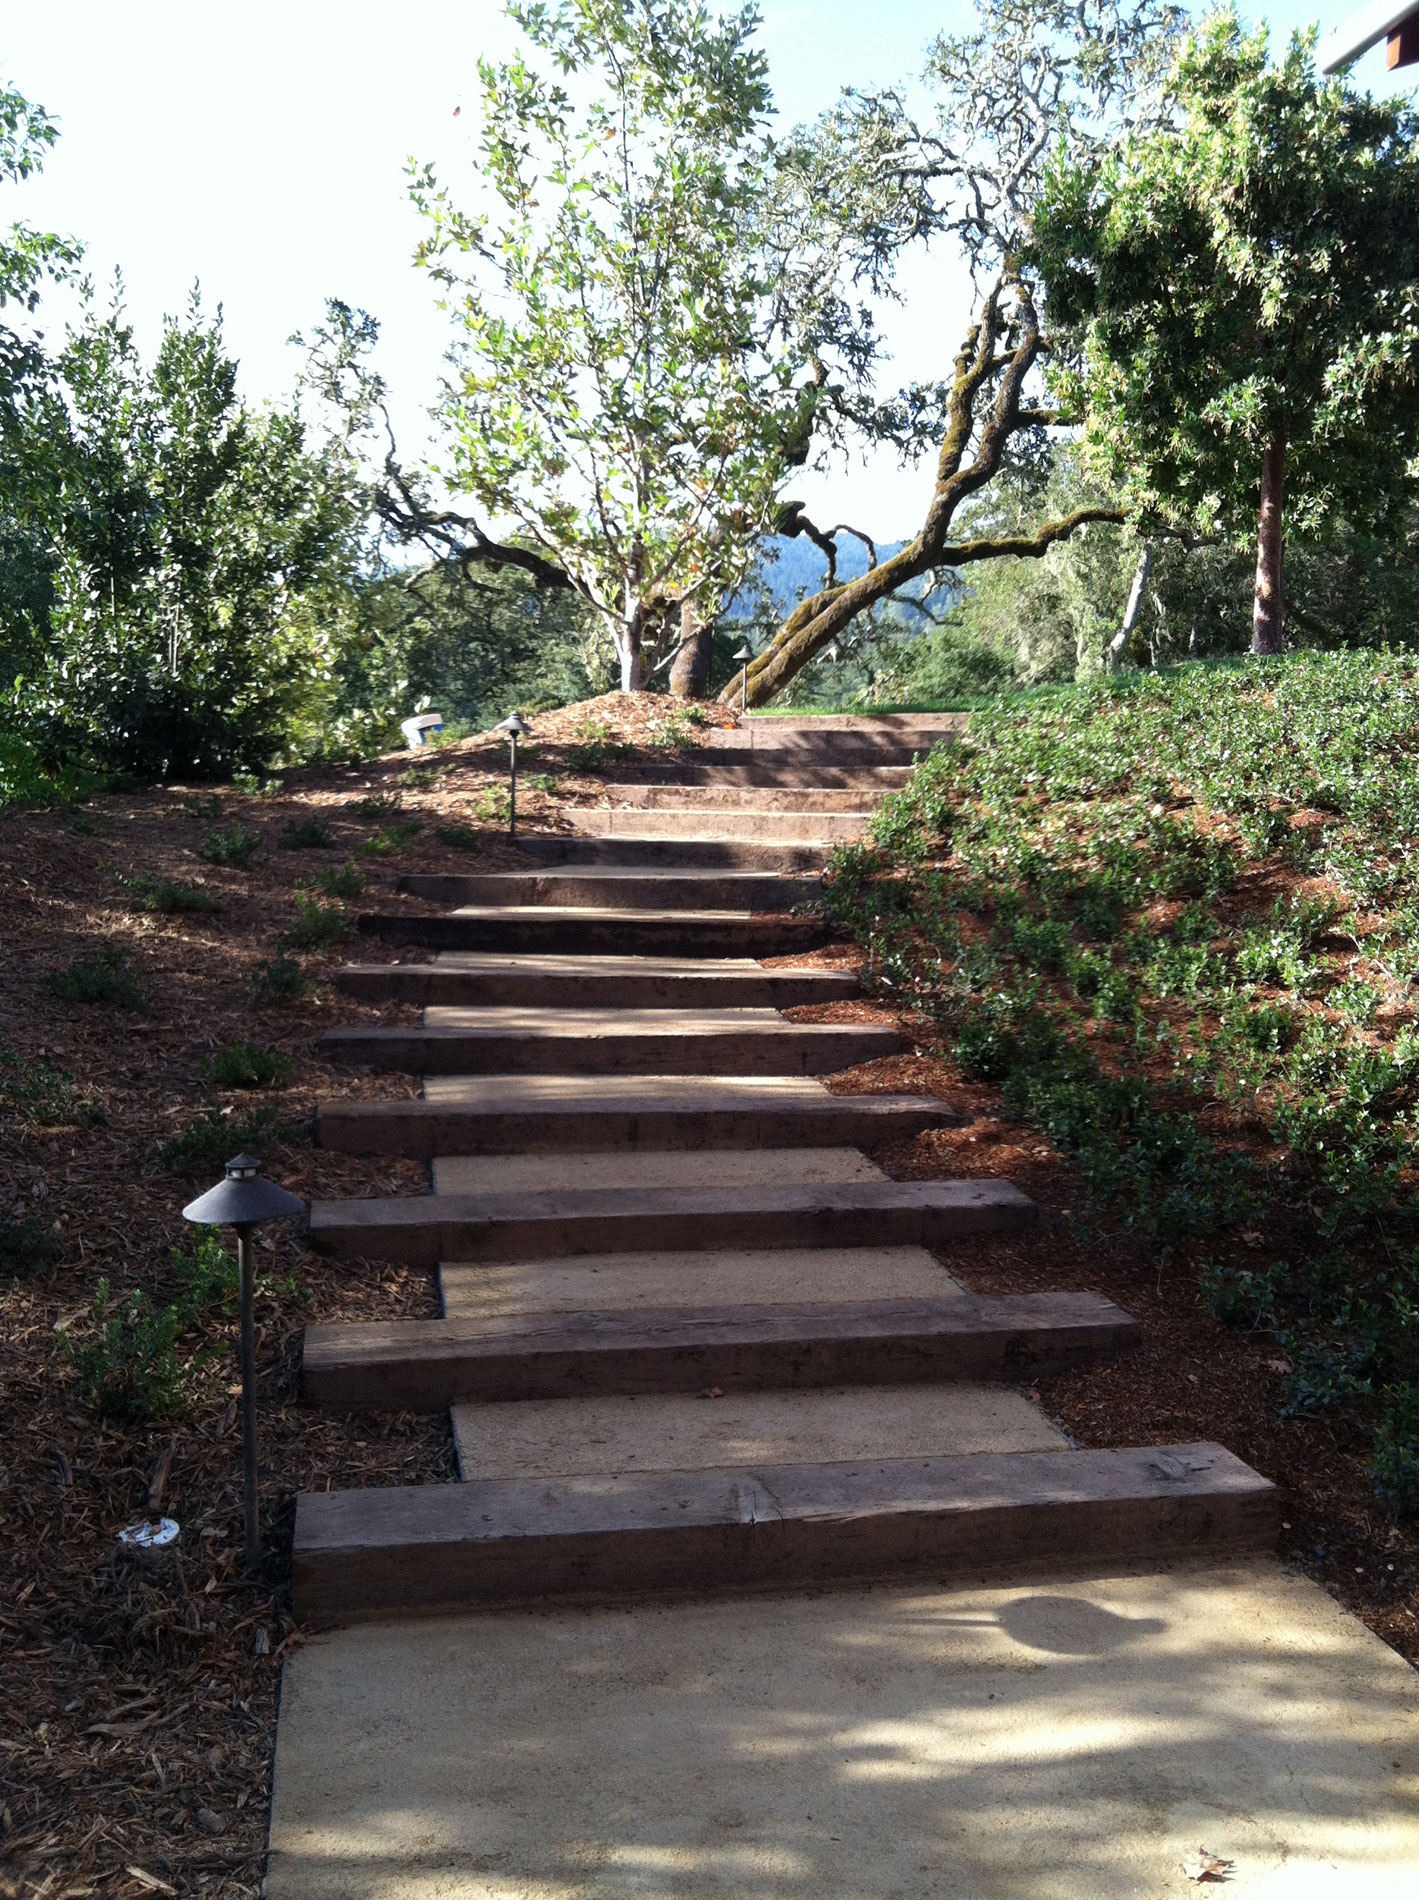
(242, 1201)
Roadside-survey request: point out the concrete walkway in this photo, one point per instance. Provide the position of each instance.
(1060, 1740)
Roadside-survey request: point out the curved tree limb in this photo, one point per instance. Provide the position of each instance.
(999, 352)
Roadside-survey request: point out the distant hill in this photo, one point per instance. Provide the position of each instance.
(793, 569)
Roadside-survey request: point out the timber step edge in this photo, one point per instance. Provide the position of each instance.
(425, 1229)
(383, 1553)
(426, 1365)
(768, 1048)
(609, 932)
(581, 986)
(424, 1130)
(597, 887)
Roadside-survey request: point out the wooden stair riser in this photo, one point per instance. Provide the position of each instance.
(730, 853)
(427, 1365)
(424, 1130)
(769, 771)
(673, 815)
(422, 1230)
(583, 890)
(374, 1553)
(794, 1049)
(435, 984)
(603, 934)
(766, 802)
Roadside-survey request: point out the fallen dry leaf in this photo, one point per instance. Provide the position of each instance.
(1205, 1866)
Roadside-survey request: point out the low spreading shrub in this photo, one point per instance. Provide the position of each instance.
(37, 1095)
(305, 834)
(27, 1246)
(100, 978)
(235, 846)
(208, 1143)
(344, 880)
(278, 981)
(243, 1065)
(315, 926)
(147, 893)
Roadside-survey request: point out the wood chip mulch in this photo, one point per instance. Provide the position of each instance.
(137, 1703)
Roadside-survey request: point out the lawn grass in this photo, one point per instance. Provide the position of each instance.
(1176, 920)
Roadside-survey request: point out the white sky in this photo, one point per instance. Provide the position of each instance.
(260, 149)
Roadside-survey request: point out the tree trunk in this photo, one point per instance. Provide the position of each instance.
(689, 675)
(1266, 616)
(1114, 652)
(991, 370)
(628, 637)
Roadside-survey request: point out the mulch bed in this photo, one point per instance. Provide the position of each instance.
(137, 1704)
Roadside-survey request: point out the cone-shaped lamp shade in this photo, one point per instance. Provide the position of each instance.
(514, 725)
(243, 1198)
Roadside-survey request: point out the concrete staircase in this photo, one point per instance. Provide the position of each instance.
(692, 1337)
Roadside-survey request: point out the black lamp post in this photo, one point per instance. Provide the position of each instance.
(743, 657)
(516, 727)
(241, 1201)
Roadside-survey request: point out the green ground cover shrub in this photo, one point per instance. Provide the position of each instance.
(132, 1363)
(148, 893)
(244, 1065)
(100, 978)
(305, 834)
(35, 1094)
(27, 1246)
(1081, 899)
(459, 837)
(277, 981)
(392, 838)
(594, 748)
(315, 926)
(209, 1142)
(234, 845)
(343, 880)
(376, 809)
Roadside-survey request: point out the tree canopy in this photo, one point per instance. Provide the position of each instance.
(1243, 285)
(621, 392)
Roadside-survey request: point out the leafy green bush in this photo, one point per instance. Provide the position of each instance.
(147, 893)
(393, 838)
(344, 880)
(131, 1366)
(100, 978)
(243, 1065)
(460, 837)
(1016, 887)
(28, 778)
(315, 926)
(27, 1246)
(235, 846)
(305, 834)
(277, 981)
(1394, 1465)
(208, 1143)
(377, 808)
(41, 1096)
(595, 749)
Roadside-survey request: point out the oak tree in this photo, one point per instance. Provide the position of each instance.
(621, 398)
(1244, 287)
